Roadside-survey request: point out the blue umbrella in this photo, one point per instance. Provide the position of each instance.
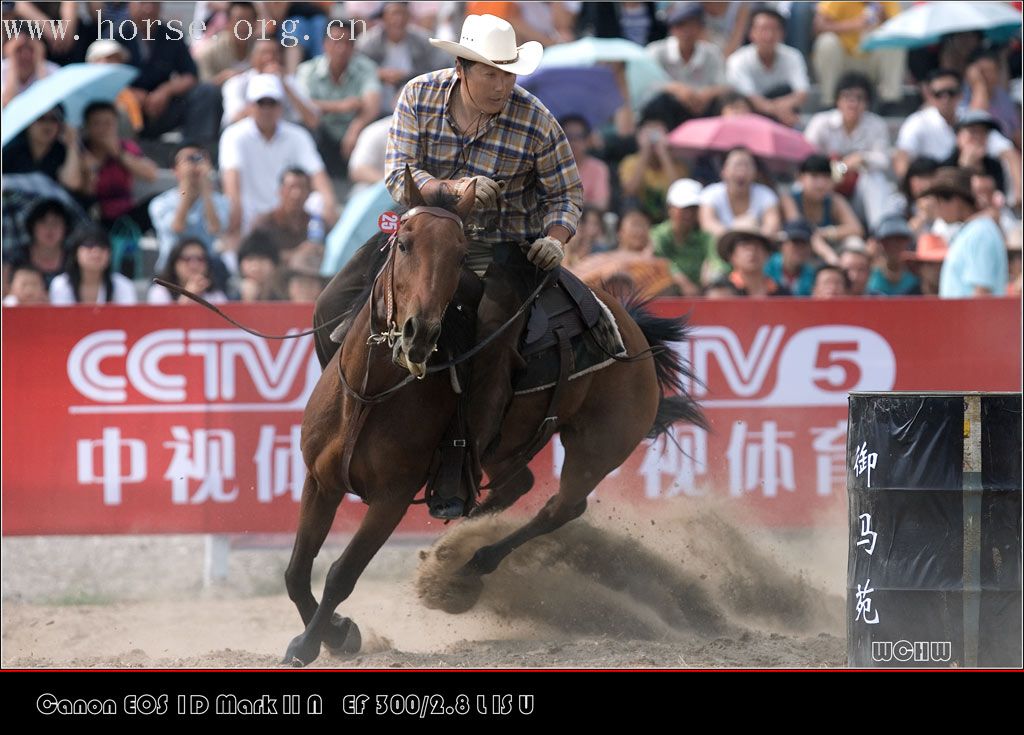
(75, 86)
(591, 92)
(926, 24)
(357, 224)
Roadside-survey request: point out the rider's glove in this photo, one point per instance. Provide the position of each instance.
(545, 253)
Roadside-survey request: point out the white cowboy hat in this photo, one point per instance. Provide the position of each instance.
(492, 41)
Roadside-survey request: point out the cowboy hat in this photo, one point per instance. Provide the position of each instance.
(951, 181)
(492, 41)
(743, 229)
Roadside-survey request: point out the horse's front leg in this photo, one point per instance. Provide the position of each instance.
(316, 514)
(380, 521)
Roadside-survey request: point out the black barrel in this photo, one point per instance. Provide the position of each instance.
(934, 573)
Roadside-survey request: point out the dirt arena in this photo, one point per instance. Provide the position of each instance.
(694, 590)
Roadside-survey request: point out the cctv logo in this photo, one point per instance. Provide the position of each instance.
(223, 355)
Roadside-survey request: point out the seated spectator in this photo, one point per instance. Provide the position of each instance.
(814, 199)
(696, 66)
(23, 65)
(594, 173)
(110, 165)
(366, 164)
(27, 287)
(771, 75)
(1014, 242)
(589, 238)
(634, 259)
(265, 59)
(745, 247)
(167, 88)
(48, 226)
(303, 283)
(855, 260)
(40, 148)
(972, 131)
(860, 140)
(344, 89)
(830, 282)
(989, 199)
(726, 24)
(188, 266)
(792, 265)
(925, 260)
(258, 261)
(892, 277)
(287, 226)
(976, 264)
(226, 54)
(256, 151)
(739, 195)
(987, 90)
(108, 51)
(89, 278)
(681, 240)
(400, 51)
(646, 175)
(841, 26)
(920, 210)
(193, 208)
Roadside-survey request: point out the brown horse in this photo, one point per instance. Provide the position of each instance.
(381, 448)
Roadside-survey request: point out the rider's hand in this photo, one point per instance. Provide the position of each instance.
(545, 253)
(487, 191)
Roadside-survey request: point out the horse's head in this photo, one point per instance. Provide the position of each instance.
(428, 252)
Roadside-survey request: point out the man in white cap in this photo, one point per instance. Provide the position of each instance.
(471, 123)
(680, 239)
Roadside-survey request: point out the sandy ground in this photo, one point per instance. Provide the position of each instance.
(697, 590)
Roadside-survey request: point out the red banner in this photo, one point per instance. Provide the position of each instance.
(165, 419)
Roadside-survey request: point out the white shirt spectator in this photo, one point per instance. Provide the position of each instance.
(747, 75)
(762, 198)
(706, 68)
(235, 100)
(870, 138)
(62, 294)
(260, 162)
(926, 133)
(370, 148)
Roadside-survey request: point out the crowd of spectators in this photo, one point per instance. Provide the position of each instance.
(230, 156)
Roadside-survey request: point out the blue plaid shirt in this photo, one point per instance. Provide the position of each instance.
(523, 146)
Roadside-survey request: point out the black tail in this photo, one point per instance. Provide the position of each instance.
(670, 368)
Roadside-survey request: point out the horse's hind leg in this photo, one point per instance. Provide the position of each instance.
(511, 489)
(380, 521)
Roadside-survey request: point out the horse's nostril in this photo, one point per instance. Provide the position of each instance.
(409, 330)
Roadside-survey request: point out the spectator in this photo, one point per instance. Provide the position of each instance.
(265, 58)
(256, 151)
(972, 131)
(40, 148)
(110, 165)
(987, 90)
(989, 199)
(791, 264)
(108, 51)
(632, 262)
(855, 260)
(366, 164)
(258, 260)
(636, 21)
(344, 89)
(192, 209)
(771, 75)
(860, 140)
(920, 211)
(89, 278)
(48, 225)
(287, 226)
(27, 287)
(726, 24)
(841, 27)
(976, 264)
(400, 50)
(814, 199)
(594, 173)
(1014, 241)
(830, 282)
(226, 55)
(925, 260)
(589, 238)
(188, 266)
(739, 195)
(166, 87)
(892, 277)
(647, 174)
(745, 247)
(303, 283)
(681, 240)
(23, 65)
(734, 103)
(696, 66)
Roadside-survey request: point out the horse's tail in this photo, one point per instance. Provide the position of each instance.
(672, 370)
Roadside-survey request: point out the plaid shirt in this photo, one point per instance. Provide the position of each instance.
(523, 146)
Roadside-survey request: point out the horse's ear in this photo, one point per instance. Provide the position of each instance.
(466, 201)
(412, 192)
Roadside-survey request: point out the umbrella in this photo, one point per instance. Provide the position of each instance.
(765, 138)
(925, 24)
(358, 223)
(591, 92)
(75, 86)
(21, 192)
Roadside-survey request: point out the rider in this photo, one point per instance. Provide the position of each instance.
(472, 123)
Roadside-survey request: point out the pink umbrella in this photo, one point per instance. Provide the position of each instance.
(765, 138)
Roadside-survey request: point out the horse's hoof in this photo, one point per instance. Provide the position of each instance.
(301, 652)
(343, 637)
(462, 592)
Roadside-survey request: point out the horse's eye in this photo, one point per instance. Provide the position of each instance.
(402, 246)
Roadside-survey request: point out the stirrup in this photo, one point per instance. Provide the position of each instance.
(446, 509)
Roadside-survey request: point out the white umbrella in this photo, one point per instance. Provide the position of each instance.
(926, 24)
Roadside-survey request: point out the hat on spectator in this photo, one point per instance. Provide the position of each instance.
(854, 244)
(491, 40)
(743, 229)
(931, 248)
(799, 230)
(893, 225)
(976, 117)
(684, 193)
(951, 181)
(684, 11)
(264, 86)
(103, 48)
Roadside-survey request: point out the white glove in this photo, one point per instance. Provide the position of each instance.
(545, 253)
(487, 191)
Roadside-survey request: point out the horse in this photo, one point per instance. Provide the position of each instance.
(378, 440)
